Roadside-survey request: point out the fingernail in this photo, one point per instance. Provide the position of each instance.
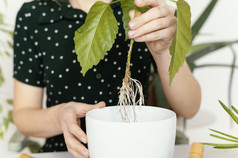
(84, 153)
(82, 139)
(132, 33)
(139, 2)
(133, 24)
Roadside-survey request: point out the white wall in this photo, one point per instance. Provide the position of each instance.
(222, 25)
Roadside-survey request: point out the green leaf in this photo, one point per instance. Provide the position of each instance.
(1, 134)
(97, 33)
(202, 18)
(236, 110)
(203, 49)
(1, 19)
(10, 119)
(182, 41)
(10, 101)
(7, 54)
(233, 116)
(6, 123)
(1, 77)
(1, 108)
(223, 138)
(222, 146)
(10, 44)
(127, 6)
(33, 146)
(227, 135)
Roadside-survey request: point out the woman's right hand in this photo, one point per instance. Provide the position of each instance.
(69, 115)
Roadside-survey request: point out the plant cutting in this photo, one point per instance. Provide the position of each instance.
(233, 112)
(99, 36)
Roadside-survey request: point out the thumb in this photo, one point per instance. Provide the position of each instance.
(101, 104)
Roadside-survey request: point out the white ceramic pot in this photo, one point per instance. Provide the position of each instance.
(152, 136)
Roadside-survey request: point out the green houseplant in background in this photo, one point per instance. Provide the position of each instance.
(197, 51)
(5, 48)
(17, 141)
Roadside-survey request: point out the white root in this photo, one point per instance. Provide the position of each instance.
(129, 92)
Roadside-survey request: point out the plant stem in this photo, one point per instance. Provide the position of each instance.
(173, 1)
(130, 49)
(115, 1)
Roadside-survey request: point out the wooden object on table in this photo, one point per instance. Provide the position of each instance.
(25, 156)
(196, 150)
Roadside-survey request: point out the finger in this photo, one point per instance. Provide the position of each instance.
(95, 106)
(75, 130)
(164, 34)
(151, 3)
(81, 108)
(132, 14)
(152, 26)
(75, 147)
(152, 14)
(101, 104)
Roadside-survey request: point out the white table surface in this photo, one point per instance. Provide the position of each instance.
(181, 151)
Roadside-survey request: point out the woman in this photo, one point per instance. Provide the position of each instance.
(44, 58)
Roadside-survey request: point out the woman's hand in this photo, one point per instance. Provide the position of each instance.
(156, 27)
(69, 115)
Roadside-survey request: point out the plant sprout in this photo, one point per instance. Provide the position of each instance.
(97, 35)
(223, 136)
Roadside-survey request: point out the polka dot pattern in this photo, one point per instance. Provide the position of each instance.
(44, 56)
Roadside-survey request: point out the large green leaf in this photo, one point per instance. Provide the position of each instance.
(202, 18)
(127, 6)
(96, 36)
(203, 49)
(182, 41)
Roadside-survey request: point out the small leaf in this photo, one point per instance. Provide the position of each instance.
(233, 116)
(6, 123)
(127, 6)
(97, 33)
(236, 110)
(1, 108)
(224, 134)
(1, 19)
(1, 135)
(10, 44)
(222, 146)
(10, 119)
(182, 41)
(10, 101)
(1, 77)
(7, 53)
(223, 138)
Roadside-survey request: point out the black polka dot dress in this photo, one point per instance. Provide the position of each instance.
(44, 56)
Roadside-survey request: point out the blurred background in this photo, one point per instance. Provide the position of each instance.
(218, 81)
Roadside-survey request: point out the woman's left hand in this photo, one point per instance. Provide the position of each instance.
(156, 27)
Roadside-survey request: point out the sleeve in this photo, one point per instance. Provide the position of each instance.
(27, 62)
